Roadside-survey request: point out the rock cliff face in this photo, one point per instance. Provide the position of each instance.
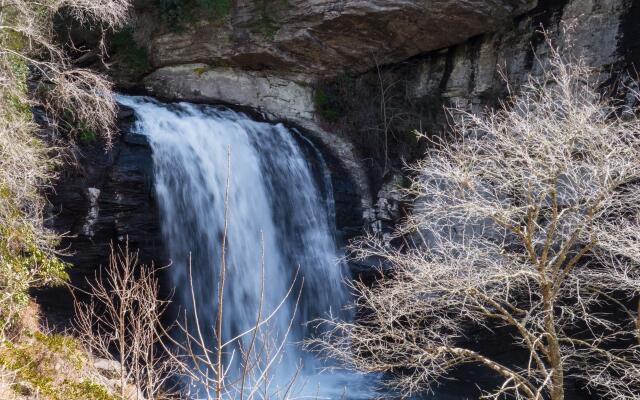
(363, 74)
(232, 59)
(473, 73)
(470, 72)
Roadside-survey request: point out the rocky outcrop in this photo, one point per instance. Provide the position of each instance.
(268, 55)
(476, 72)
(275, 97)
(320, 37)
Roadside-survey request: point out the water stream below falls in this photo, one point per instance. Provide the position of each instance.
(280, 221)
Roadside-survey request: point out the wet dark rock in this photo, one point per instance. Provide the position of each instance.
(125, 114)
(106, 198)
(135, 139)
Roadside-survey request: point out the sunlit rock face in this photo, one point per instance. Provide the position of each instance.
(324, 37)
(266, 54)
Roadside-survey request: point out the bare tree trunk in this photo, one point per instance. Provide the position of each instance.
(223, 267)
(122, 326)
(553, 347)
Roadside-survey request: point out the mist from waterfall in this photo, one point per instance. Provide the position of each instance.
(280, 219)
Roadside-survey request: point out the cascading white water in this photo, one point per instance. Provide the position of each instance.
(276, 204)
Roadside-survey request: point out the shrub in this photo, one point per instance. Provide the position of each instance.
(329, 107)
(183, 12)
(135, 58)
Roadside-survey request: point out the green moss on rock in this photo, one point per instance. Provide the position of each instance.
(50, 366)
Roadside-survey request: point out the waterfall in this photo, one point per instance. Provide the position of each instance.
(280, 220)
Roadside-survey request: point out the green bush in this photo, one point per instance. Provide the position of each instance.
(23, 265)
(87, 137)
(181, 12)
(328, 105)
(331, 98)
(133, 56)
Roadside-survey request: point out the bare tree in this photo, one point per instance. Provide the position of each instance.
(389, 116)
(527, 218)
(28, 256)
(123, 318)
